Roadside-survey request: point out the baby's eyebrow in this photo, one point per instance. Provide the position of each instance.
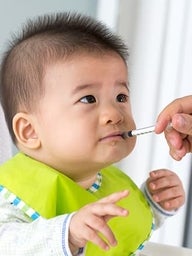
(85, 86)
(81, 88)
(123, 84)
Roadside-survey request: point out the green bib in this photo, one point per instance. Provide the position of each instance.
(50, 193)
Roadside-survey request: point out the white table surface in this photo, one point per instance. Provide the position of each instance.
(155, 249)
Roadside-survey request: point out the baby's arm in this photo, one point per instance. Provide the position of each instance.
(165, 193)
(20, 236)
(54, 236)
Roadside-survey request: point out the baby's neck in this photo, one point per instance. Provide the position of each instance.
(86, 182)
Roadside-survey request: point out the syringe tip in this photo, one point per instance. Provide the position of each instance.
(127, 134)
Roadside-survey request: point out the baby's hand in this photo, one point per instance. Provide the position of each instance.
(166, 189)
(90, 220)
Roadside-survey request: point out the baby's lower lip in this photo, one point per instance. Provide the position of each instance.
(112, 137)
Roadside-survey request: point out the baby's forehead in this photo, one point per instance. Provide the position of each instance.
(85, 59)
(85, 69)
(80, 56)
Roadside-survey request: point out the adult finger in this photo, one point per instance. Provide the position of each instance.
(179, 105)
(182, 123)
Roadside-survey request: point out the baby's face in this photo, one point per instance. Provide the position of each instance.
(83, 113)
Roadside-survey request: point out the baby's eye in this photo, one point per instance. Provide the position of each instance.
(89, 99)
(122, 98)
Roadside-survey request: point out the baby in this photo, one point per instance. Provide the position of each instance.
(65, 95)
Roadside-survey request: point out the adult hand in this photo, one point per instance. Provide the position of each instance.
(176, 122)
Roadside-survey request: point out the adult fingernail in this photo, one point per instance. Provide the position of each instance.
(181, 120)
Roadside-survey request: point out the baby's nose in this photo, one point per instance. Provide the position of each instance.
(111, 115)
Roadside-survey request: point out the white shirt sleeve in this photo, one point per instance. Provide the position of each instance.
(42, 237)
(160, 214)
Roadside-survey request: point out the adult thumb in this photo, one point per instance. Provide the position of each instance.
(182, 123)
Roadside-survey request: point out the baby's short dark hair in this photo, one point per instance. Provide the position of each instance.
(43, 41)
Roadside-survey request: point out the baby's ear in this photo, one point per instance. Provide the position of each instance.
(24, 130)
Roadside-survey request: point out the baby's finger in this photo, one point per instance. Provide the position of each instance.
(166, 180)
(115, 197)
(173, 204)
(168, 194)
(160, 173)
(93, 236)
(163, 183)
(107, 209)
(89, 230)
(99, 225)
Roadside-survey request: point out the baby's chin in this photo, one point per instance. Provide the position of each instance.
(119, 157)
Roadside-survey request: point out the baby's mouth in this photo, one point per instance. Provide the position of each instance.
(113, 135)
